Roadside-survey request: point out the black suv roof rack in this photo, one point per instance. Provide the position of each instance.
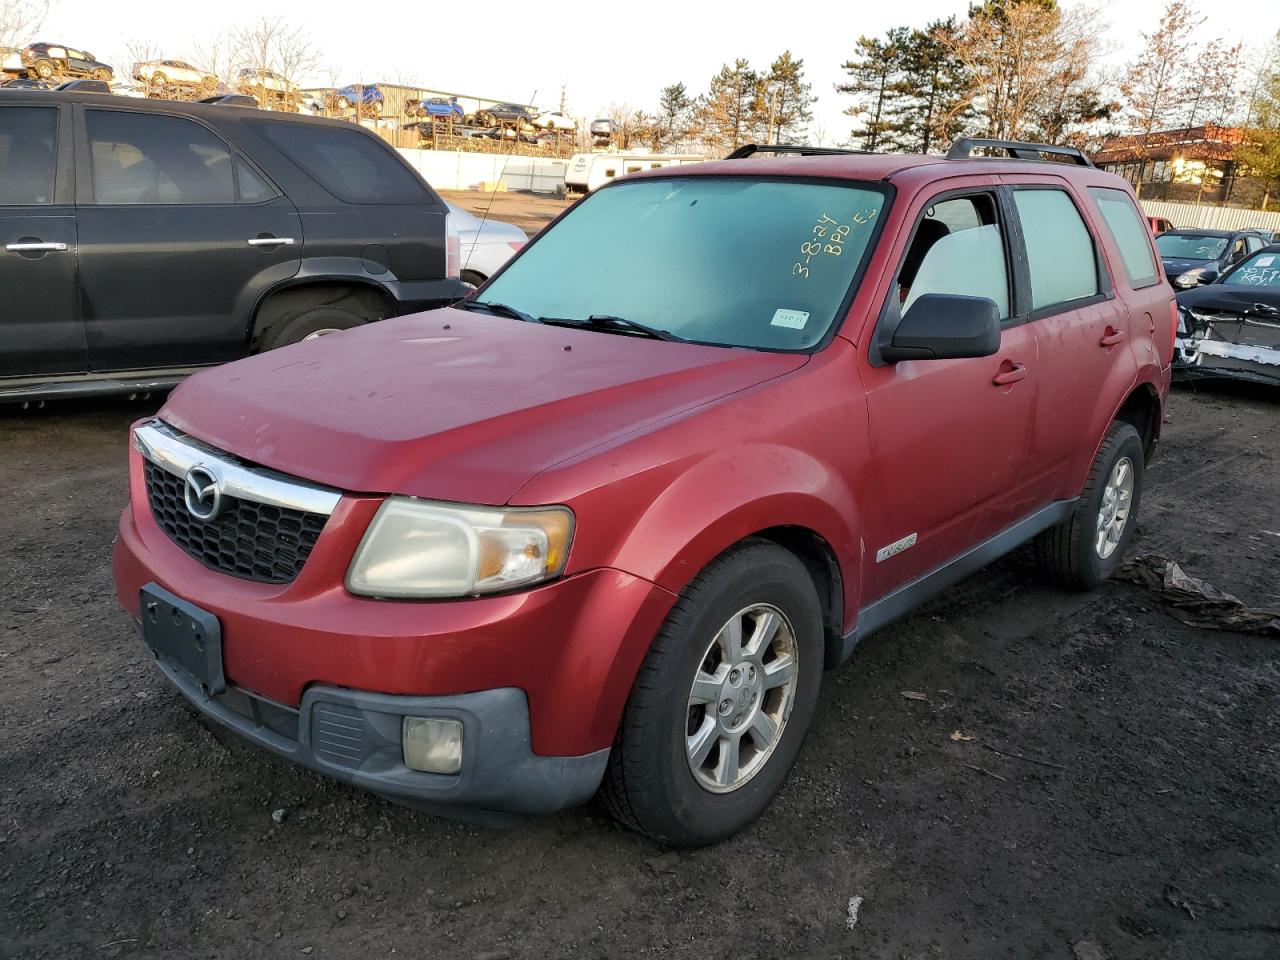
(750, 149)
(85, 85)
(963, 149)
(230, 100)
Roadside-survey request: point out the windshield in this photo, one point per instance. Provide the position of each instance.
(735, 261)
(1260, 270)
(1190, 246)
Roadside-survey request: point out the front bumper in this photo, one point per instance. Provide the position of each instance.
(354, 737)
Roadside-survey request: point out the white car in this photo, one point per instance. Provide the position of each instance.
(555, 121)
(161, 73)
(485, 244)
(128, 90)
(251, 79)
(11, 61)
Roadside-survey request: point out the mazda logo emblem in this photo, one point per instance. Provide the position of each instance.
(201, 493)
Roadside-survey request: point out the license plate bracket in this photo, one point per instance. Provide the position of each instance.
(184, 636)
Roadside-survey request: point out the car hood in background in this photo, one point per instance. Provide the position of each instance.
(452, 405)
(1175, 266)
(1230, 298)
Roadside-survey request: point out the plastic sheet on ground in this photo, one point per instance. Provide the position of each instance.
(1194, 601)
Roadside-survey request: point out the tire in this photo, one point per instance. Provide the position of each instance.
(1072, 553)
(473, 278)
(44, 69)
(344, 103)
(651, 785)
(311, 322)
(159, 80)
(102, 74)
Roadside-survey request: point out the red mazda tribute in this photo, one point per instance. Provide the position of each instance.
(605, 524)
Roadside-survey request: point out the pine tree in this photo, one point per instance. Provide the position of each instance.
(787, 100)
(674, 117)
(731, 113)
(874, 72)
(926, 104)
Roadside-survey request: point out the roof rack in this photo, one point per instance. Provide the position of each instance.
(85, 85)
(963, 149)
(230, 100)
(750, 149)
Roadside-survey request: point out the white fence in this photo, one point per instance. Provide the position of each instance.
(451, 170)
(1211, 218)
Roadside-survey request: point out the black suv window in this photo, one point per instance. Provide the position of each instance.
(28, 155)
(149, 158)
(349, 164)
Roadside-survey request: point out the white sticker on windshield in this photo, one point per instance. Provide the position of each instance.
(794, 319)
(1264, 261)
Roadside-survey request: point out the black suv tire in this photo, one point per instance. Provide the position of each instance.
(309, 322)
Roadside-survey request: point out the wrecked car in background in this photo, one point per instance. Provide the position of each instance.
(1231, 328)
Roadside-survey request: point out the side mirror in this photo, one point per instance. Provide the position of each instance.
(1208, 276)
(943, 326)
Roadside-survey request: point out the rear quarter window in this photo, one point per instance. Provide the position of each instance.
(350, 164)
(1130, 233)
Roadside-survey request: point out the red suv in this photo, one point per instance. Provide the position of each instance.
(606, 523)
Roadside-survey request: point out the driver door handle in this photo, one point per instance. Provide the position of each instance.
(1009, 373)
(1111, 337)
(271, 242)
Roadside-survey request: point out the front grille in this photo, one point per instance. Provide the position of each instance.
(250, 540)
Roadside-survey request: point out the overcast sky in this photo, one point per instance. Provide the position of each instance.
(604, 52)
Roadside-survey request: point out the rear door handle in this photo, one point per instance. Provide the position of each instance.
(1111, 337)
(1009, 373)
(35, 247)
(271, 242)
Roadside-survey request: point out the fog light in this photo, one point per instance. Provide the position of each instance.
(432, 744)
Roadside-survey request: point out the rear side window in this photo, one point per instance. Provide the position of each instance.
(1060, 253)
(143, 158)
(349, 164)
(28, 155)
(1130, 234)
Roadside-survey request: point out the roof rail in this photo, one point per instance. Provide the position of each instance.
(85, 85)
(750, 149)
(230, 100)
(963, 149)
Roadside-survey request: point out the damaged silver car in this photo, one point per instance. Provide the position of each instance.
(1231, 328)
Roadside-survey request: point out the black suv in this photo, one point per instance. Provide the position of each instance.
(143, 239)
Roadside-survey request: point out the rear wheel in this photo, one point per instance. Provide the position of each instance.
(310, 324)
(159, 79)
(722, 702)
(1085, 550)
(44, 69)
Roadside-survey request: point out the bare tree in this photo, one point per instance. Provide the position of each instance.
(216, 53)
(1030, 64)
(1156, 85)
(20, 20)
(268, 46)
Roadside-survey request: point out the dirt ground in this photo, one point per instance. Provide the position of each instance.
(1143, 820)
(530, 212)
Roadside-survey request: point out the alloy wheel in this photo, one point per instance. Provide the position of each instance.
(1117, 503)
(741, 696)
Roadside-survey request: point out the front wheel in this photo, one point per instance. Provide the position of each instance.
(44, 69)
(1084, 550)
(722, 701)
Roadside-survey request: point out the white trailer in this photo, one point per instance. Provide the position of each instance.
(587, 171)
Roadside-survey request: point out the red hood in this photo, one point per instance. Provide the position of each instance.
(452, 405)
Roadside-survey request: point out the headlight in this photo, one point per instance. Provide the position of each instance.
(420, 548)
(1188, 279)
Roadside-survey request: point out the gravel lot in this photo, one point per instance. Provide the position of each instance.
(1149, 828)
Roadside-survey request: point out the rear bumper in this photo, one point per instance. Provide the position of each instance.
(354, 737)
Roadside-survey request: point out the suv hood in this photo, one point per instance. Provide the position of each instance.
(452, 405)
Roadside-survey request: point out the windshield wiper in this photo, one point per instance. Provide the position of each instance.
(611, 324)
(501, 309)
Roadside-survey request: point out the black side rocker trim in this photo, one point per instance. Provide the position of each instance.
(910, 595)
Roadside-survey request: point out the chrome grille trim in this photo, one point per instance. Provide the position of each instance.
(177, 453)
